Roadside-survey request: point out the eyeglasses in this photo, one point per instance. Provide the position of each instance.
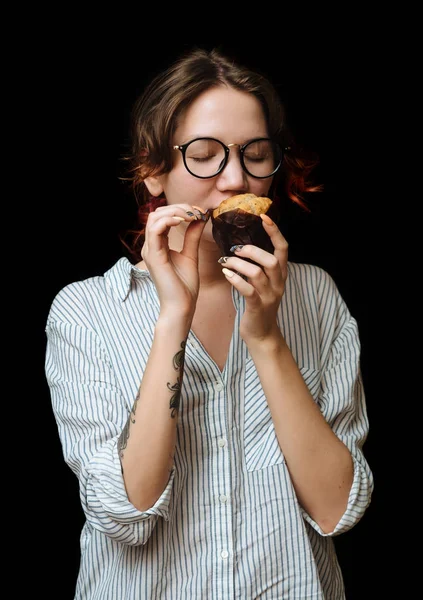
(207, 157)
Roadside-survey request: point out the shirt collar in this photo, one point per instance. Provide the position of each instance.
(120, 277)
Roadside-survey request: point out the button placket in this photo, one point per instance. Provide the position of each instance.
(221, 480)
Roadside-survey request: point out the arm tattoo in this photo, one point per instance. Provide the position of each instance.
(123, 439)
(178, 365)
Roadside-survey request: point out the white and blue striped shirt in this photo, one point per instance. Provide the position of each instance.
(228, 525)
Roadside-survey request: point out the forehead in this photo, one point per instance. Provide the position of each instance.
(224, 113)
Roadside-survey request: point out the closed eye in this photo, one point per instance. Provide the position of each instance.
(200, 159)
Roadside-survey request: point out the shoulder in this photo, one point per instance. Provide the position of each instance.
(311, 279)
(314, 291)
(73, 300)
(76, 301)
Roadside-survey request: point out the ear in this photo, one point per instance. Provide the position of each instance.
(154, 185)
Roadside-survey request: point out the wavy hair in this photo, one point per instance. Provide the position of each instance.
(155, 116)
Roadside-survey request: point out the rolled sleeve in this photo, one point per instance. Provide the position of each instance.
(106, 503)
(90, 413)
(358, 501)
(342, 403)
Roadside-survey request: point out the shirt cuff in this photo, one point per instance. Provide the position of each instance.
(358, 501)
(108, 488)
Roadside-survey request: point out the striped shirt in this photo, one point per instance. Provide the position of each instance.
(228, 525)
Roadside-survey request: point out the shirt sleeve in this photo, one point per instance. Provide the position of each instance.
(343, 404)
(90, 413)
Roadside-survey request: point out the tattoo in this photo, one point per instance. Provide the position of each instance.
(124, 436)
(178, 364)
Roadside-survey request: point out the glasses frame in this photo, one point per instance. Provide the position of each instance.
(183, 147)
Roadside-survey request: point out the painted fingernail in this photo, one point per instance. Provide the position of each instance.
(223, 259)
(204, 216)
(191, 214)
(266, 219)
(236, 248)
(227, 272)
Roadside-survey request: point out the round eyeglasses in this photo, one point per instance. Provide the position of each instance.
(207, 157)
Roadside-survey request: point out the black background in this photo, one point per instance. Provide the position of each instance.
(78, 92)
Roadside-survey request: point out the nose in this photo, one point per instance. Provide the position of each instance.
(233, 177)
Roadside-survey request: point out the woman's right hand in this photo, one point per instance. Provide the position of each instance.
(175, 274)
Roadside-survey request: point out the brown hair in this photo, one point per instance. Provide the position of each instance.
(155, 117)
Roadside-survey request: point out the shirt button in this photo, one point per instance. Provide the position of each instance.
(223, 498)
(218, 386)
(224, 554)
(194, 345)
(222, 443)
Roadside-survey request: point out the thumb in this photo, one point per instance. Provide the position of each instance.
(192, 239)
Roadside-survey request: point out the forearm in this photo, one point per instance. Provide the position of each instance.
(147, 444)
(320, 465)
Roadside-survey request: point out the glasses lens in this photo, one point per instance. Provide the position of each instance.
(262, 158)
(204, 157)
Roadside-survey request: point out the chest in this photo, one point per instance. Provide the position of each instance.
(213, 324)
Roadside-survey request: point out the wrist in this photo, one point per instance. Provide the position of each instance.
(171, 324)
(271, 343)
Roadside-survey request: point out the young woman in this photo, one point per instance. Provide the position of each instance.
(211, 407)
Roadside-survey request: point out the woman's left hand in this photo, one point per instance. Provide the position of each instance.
(265, 284)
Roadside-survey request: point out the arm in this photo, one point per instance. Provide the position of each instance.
(149, 437)
(320, 465)
(90, 411)
(321, 441)
(147, 444)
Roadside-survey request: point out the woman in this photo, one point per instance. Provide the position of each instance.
(211, 407)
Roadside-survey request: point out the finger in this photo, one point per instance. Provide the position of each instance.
(201, 213)
(266, 260)
(269, 265)
(244, 287)
(279, 243)
(256, 276)
(180, 210)
(159, 229)
(246, 268)
(192, 239)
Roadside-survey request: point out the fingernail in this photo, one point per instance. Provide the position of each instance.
(204, 215)
(266, 219)
(236, 248)
(191, 214)
(227, 272)
(179, 218)
(223, 259)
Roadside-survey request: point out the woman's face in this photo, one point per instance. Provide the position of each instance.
(232, 117)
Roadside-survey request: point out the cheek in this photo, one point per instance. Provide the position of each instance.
(181, 187)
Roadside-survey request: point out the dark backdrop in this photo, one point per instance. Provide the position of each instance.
(84, 85)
